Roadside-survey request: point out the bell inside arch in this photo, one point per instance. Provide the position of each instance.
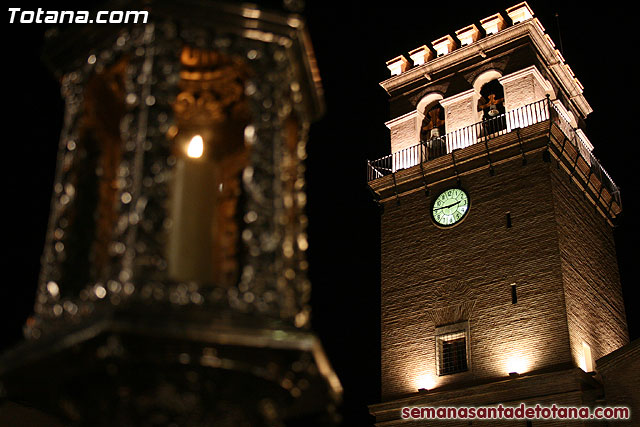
(493, 111)
(433, 124)
(491, 101)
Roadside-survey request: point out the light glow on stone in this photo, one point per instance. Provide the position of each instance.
(517, 364)
(425, 381)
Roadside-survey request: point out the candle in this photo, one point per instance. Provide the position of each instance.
(203, 239)
(192, 210)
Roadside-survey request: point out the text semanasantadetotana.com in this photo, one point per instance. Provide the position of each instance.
(521, 412)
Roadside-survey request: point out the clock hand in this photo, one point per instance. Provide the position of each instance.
(445, 207)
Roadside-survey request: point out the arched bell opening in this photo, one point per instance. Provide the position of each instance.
(433, 122)
(432, 130)
(491, 107)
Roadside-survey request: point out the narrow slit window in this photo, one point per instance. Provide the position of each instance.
(508, 219)
(514, 294)
(588, 365)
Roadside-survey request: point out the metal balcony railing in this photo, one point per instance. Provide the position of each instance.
(594, 166)
(460, 138)
(485, 130)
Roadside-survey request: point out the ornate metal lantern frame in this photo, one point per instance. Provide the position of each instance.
(149, 338)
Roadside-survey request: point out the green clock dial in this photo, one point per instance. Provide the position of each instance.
(450, 207)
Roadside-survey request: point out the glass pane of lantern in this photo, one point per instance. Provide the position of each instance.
(86, 229)
(206, 193)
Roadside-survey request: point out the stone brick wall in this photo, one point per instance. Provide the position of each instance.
(593, 295)
(620, 375)
(524, 87)
(460, 110)
(565, 388)
(433, 276)
(403, 132)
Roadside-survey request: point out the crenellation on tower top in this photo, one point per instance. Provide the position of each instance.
(550, 40)
(421, 55)
(537, 22)
(398, 65)
(444, 45)
(471, 35)
(494, 23)
(520, 13)
(468, 34)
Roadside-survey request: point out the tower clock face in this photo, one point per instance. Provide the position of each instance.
(450, 207)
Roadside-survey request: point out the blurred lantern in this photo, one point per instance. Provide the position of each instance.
(173, 288)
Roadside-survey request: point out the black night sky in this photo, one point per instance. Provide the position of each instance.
(352, 41)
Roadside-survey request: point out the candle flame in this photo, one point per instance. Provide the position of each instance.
(195, 147)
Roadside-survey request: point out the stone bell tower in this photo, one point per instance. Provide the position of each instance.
(499, 275)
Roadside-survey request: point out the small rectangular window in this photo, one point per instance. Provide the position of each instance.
(508, 219)
(454, 355)
(514, 294)
(452, 342)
